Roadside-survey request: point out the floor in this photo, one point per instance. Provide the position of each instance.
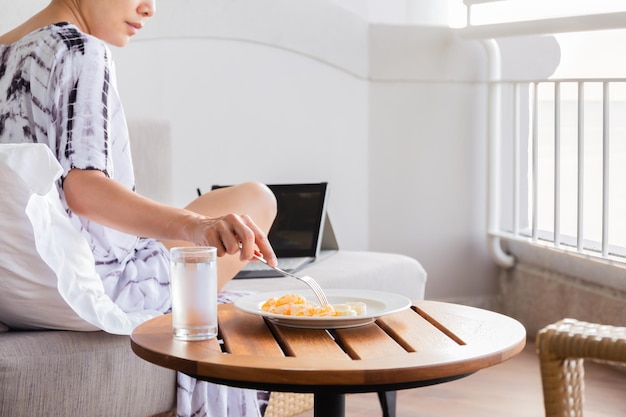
(511, 389)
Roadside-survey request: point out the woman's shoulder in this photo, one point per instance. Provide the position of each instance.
(74, 38)
(76, 42)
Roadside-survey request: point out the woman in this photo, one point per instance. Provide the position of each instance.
(57, 86)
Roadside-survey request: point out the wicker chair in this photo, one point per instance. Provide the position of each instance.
(562, 348)
(287, 404)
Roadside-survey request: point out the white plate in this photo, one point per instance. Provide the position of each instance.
(378, 304)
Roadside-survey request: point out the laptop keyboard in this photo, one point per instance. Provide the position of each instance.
(283, 263)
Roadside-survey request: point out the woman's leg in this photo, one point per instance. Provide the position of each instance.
(251, 198)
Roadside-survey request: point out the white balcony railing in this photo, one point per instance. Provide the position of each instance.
(561, 164)
(557, 149)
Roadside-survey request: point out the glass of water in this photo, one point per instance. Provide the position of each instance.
(193, 284)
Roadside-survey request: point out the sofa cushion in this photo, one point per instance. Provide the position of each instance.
(344, 269)
(47, 271)
(61, 373)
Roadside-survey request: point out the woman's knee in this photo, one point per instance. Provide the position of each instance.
(260, 199)
(259, 193)
(252, 198)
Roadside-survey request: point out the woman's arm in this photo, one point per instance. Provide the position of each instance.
(91, 194)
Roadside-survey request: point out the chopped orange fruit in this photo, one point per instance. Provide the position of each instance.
(297, 305)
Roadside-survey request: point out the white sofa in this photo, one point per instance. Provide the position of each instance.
(69, 373)
(351, 270)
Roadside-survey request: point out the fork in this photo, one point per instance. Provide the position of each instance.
(315, 287)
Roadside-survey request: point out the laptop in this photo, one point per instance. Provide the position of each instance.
(297, 233)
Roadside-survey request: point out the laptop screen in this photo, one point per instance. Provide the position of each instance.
(297, 230)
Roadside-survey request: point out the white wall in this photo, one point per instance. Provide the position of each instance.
(282, 91)
(14, 12)
(421, 12)
(428, 148)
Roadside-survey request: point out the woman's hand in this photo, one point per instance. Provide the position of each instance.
(230, 234)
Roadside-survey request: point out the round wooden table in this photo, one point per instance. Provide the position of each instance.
(430, 343)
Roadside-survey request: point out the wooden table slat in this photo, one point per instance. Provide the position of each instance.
(367, 342)
(167, 351)
(414, 332)
(238, 330)
(472, 325)
(308, 342)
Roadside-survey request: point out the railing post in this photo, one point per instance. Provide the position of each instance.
(557, 164)
(605, 168)
(581, 166)
(535, 162)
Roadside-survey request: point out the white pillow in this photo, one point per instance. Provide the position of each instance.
(47, 271)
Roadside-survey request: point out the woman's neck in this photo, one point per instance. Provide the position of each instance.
(57, 11)
(63, 11)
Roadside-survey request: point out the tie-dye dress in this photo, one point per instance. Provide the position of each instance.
(57, 87)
